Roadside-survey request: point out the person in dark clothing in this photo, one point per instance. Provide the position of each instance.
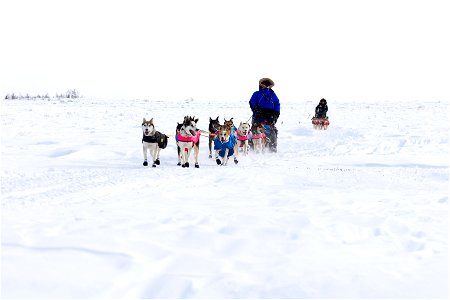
(264, 103)
(321, 109)
(265, 106)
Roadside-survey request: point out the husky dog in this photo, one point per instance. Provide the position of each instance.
(150, 142)
(242, 137)
(224, 145)
(258, 137)
(214, 127)
(188, 138)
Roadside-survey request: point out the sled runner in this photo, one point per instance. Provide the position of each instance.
(320, 123)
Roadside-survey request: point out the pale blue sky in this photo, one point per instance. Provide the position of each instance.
(218, 50)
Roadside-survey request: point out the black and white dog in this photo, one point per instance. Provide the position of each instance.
(150, 142)
(188, 138)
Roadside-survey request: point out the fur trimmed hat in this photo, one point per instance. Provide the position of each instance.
(266, 83)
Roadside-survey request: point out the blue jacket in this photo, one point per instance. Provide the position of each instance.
(266, 99)
(230, 145)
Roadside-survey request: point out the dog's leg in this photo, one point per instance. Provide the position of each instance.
(257, 145)
(144, 148)
(225, 157)
(236, 151)
(245, 147)
(187, 154)
(158, 150)
(210, 140)
(180, 148)
(153, 152)
(196, 152)
(179, 154)
(217, 157)
(184, 156)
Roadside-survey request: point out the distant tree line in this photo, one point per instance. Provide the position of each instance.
(70, 94)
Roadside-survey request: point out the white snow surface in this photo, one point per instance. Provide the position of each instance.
(358, 211)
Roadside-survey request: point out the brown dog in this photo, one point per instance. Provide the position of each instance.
(225, 145)
(229, 124)
(258, 137)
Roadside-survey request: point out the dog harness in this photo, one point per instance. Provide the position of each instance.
(259, 136)
(150, 138)
(194, 138)
(242, 137)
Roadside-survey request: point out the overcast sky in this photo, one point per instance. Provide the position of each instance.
(218, 50)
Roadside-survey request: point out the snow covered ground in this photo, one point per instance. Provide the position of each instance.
(358, 211)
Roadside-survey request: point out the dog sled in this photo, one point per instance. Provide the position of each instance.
(320, 123)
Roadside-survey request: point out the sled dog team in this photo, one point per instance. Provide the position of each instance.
(225, 139)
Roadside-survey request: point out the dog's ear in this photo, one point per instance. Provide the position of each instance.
(240, 123)
(210, 119)
(151, 121)
(143, 121)
(196, 120)
(217, 119)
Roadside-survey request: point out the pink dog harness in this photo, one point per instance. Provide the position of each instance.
(259, 136)
(193, 138)
(242, 137)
